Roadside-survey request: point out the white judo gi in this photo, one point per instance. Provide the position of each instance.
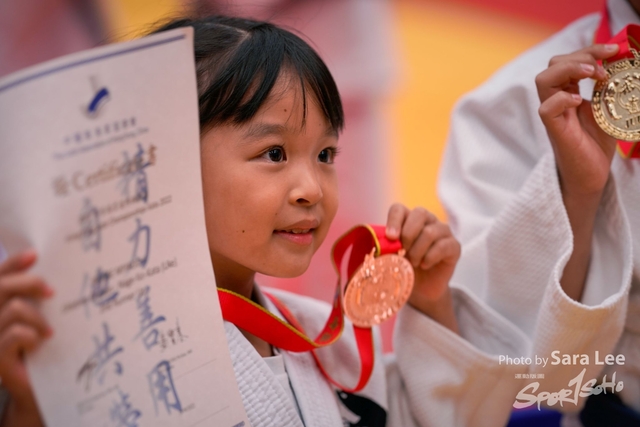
(435, 378)
(500, 187)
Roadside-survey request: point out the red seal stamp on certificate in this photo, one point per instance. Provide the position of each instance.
(378, 289)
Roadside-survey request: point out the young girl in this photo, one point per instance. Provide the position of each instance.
(270, 117)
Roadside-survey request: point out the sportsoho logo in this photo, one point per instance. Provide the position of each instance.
(101, 96)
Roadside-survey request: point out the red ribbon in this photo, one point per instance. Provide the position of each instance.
(626, 39)
(253, 318)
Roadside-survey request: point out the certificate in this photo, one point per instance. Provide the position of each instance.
(100, 173)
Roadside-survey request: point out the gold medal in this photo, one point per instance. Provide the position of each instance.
(616, 100)
(378, 289)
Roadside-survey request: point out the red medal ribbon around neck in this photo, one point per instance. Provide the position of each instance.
(626, 39)
(290, 335)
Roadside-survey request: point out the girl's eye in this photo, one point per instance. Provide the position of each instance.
(275, 154)
(328, 155)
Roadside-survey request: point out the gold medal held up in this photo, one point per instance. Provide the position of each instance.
(616, 100)
(378, 289)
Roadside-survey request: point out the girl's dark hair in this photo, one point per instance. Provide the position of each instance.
(238, 62)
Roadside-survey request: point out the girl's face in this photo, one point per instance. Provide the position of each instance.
(270, 187)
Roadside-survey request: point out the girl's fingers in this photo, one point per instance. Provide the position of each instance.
(21, 311)
(16, 340)
(596, 51)
(447, 249)
(416, 220)
(581, 57)
(18, 262)
(429, 234)
(395, 220)
(552, 111)
(23, 285)
(565, 70)
(560, 76)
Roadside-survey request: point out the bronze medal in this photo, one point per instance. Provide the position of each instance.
(616, 100)
(378, 289)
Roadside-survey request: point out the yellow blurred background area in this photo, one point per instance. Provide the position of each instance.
(447, 51)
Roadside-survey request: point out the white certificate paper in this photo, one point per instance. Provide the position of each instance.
(100, 173)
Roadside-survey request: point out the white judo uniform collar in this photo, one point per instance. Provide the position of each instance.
(265, 401)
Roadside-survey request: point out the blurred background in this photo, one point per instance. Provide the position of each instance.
(400, 66)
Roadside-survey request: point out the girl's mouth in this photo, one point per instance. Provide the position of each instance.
(297, 235)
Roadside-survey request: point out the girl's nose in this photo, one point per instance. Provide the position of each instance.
(307, 189)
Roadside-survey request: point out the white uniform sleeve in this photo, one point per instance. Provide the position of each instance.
(527, 249)
(500, 187)
(438, 378)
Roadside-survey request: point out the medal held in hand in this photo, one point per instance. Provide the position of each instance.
(616, 101)
(380, 277)
(378, 289)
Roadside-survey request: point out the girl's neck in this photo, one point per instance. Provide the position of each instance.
(240, 280)
(233, 276)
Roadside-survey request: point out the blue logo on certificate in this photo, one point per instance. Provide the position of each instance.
(101, 96)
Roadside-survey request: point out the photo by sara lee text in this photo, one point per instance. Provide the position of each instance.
(564, 359)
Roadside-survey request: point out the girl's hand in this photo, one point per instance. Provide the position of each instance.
(583, 151)
(22, 329)
(433, 252)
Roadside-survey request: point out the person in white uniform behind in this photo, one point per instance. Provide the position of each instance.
(547, 213)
